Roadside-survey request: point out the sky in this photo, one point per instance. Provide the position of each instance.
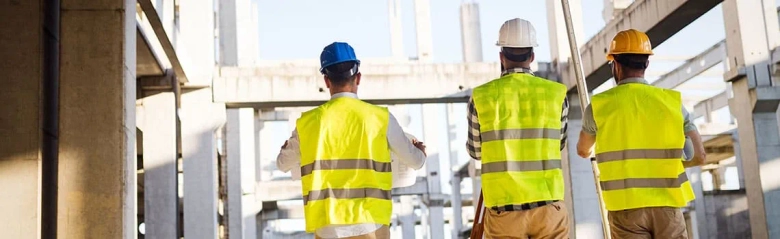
(299, 29)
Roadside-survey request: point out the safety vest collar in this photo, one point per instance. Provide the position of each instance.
(517, 70)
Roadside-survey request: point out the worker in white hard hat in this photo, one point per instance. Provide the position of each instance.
(343, 148)
(517, 130)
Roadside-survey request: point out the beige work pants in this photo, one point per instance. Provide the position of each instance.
(648, 223)
(546, 222)
(381, 233)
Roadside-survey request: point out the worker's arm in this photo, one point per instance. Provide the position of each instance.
(402, 147)
(587, 134)
(290, 155)
(699, 156)
(474, 141)
(564, 122)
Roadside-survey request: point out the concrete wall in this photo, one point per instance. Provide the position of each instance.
(20, 128)
(728, 214)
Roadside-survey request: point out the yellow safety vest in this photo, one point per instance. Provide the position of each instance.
(345, 164)
(639, 147)
(520, 127)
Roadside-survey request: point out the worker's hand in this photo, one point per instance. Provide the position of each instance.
(285, 144)
(420, 145)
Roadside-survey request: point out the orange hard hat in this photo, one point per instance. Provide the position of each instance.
(630, 41)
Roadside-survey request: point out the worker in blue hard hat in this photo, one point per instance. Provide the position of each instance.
(343, 148)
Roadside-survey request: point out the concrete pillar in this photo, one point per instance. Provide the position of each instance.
(699, 220)
(456, 205)
(396, 29)
(582, 185)
(470, 32)
(422, 19)
(195, 42)
(157, 120)
(407, 217)
(21, 46)
(97, 158)
(266, 160)
(435, 199)
(559, 39)
(200, 118)
(241, 210)
(238, 32)
(749, 40)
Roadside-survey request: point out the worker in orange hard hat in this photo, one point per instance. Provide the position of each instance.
(517, 131)
(642, 131)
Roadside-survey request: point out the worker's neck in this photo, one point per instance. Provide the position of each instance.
(343, 89)
(634, 75)
(521, 65)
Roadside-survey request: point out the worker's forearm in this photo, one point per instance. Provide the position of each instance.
(585, 144)
(699, 155)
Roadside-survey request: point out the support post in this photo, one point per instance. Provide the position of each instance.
(396, 29)
(435, 199)
(241, 210)
(407, 217)
(200, 118)
(422, 19)
(157, 121)
(752, 35)
(97, 159)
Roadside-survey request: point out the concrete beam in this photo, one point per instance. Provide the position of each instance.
(660, 19)
(693, 66)
(152, 20)
(705, 107)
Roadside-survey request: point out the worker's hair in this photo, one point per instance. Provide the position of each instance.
(633, 61)
(516, 56)
(340, 75)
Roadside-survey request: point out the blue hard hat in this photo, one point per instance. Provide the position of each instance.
(335, 53)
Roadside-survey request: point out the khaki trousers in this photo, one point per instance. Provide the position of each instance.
(648, 223)
(546, 222)
(381, 233)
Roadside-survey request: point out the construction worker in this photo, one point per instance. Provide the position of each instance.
(639, 146)
(343, 148)
(517, 130)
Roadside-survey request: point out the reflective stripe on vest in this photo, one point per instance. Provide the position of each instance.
(345, 174)
(520, 128)
(639, 147)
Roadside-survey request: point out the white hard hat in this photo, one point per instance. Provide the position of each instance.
(517, 33)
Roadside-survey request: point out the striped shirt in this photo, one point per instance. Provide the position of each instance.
(474, 142)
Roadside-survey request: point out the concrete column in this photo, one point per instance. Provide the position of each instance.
(238, 32)
(97, 158)
(470, 32)
(456, 204)
(241, 210)
(396, 29)
(559, 39)
(157, 120)
(266, 153)
(699, 218)
(21, 46)
(456, 201)
(435, 199)
(749, 42)
(422, 19)
(195, 42)
(407, 217)
(582, 185)
(200, 118)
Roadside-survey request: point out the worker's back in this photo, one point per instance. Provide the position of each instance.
(639, 147)
(520, 125)
(345, 164)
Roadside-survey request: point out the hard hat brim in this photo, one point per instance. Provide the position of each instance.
(612, 58)
(337, 62)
